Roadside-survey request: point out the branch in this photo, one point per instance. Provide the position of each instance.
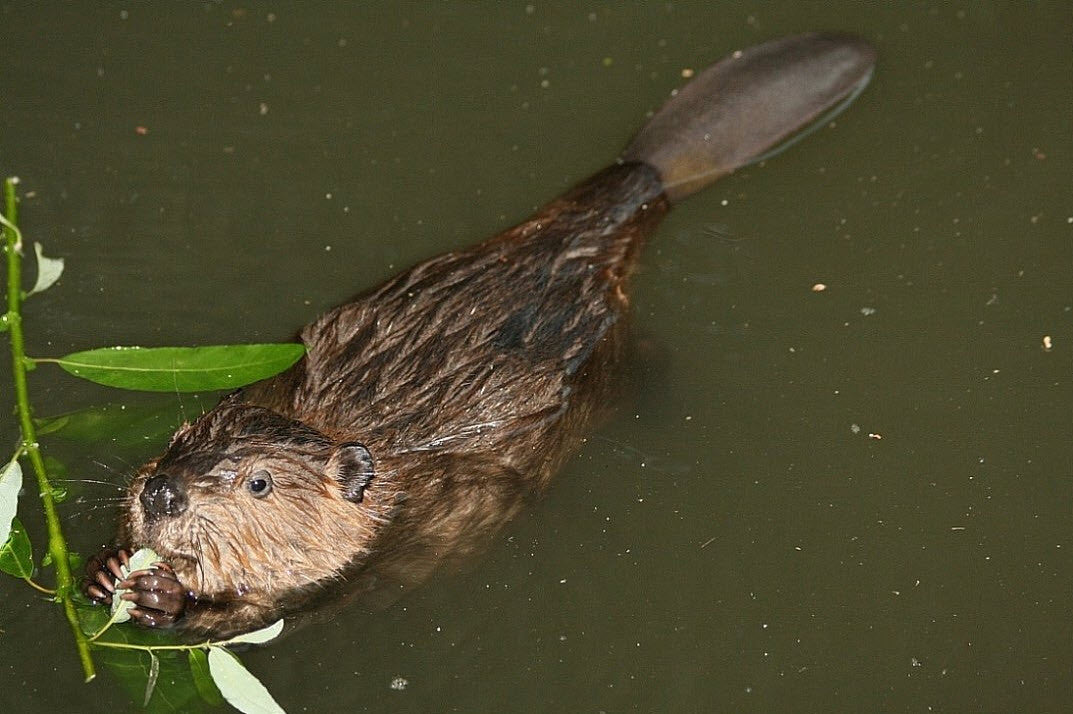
(57, 545)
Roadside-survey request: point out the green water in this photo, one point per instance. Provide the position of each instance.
(850, 500)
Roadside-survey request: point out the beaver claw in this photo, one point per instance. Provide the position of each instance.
(102, 572)
(158, 596)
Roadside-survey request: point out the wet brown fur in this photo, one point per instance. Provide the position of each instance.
(469, 378)
(459, 386)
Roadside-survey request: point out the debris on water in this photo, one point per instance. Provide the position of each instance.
(867, 311)
(1047, 343)
(856, 429)
(819, 288)
(399, 684)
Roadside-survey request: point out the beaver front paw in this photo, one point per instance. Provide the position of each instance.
(102, 572)
(158, 596)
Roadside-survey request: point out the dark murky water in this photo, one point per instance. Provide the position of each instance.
(849, 500)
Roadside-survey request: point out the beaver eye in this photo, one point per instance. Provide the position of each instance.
(260, 483)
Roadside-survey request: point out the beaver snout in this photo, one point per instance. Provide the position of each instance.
(163, 496)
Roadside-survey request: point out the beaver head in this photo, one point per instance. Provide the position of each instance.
(246, 503)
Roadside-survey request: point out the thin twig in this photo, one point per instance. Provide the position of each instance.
(39, 588)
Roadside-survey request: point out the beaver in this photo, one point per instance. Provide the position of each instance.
(427, 410)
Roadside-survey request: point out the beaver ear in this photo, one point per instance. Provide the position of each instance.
(352, 466)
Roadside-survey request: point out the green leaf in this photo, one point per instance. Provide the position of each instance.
(47, 425)
(93, 617)
(73, 559)
(241, 689)
(10, 485)
(258, 637)
(55, 468)
(199, 669)
(141, 560)
(48, 271)
(174, 693)
(16, 555)
(118, 425)
(181, 369)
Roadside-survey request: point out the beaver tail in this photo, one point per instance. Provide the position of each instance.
(749, 106)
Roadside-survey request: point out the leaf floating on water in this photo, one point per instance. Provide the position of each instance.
(49, 271)
(142, 560)
(10, 485)
(259, 637)
(241, 689)
(181, 369)
(16, 555)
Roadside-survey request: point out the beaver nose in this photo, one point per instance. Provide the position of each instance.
(163, 497)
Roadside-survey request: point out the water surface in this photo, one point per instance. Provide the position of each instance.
(849, 500)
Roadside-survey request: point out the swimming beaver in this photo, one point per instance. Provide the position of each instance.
(426, 410)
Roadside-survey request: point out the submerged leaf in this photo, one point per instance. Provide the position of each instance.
(199, 670)
(49, 271)
(74, 560)
(118, 425)
(141, 560)
(150, 683)
(16, 555)
(10, 485)
(241, 689)
(174, 692)
(259, 637)
(181, 369)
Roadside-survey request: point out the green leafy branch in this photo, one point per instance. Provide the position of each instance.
(57, 545)
(165, 369)
(215, 669)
